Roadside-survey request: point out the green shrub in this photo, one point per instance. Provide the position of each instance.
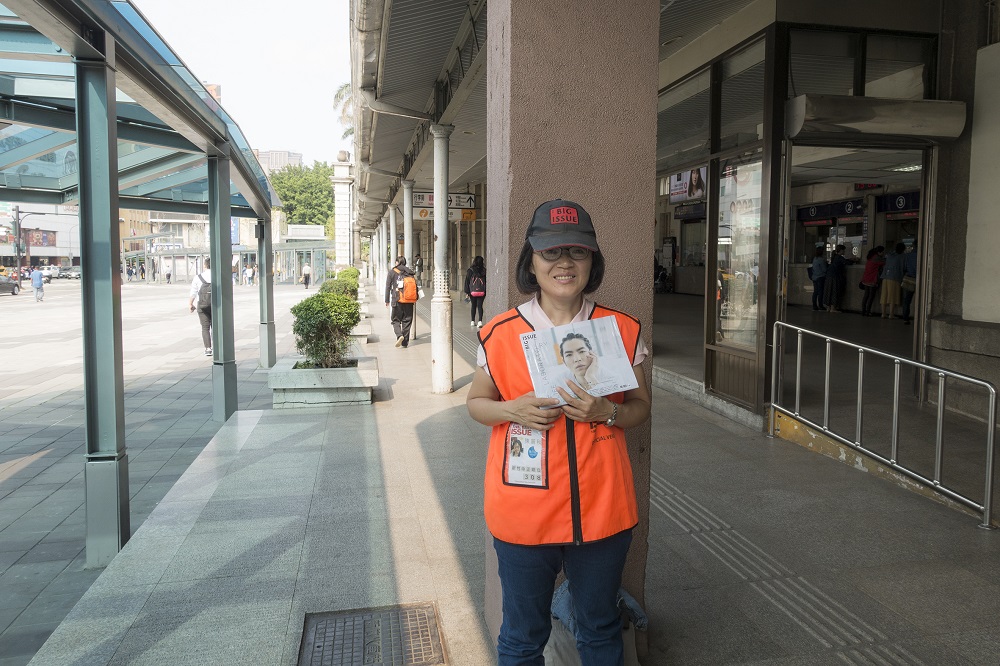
(322, 328)
(339, 286)
(349, 273)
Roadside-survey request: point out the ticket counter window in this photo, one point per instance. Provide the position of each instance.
(738, 253)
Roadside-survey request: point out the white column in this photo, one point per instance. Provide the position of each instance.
(442, 377)
(393, 237)
(408, 222)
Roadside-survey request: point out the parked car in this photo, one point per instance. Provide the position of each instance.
(8, 286)
(50, 272)
(71, 273)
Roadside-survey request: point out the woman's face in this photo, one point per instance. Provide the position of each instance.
(564, 278)
(577, 357)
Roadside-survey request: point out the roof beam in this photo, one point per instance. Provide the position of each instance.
(22, 42)
(35, 149)
(195, 173)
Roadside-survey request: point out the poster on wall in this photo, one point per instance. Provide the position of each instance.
(688, 185)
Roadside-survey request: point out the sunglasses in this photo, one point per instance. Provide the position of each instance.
(555, 253)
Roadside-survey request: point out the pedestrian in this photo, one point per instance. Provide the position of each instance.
(475, 289)
(400, 303)
(200, 301)
(817, 273)
(570, 503)
(418, 268)
(306, 274)
(870, 279)
(168, 275)
(892, 276)
(836, 279)
(909, 284)
(37, 283)
(129, 272)
(142, 271)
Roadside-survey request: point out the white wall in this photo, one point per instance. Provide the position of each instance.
(979, 302)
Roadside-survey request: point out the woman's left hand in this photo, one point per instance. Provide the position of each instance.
(583, 407)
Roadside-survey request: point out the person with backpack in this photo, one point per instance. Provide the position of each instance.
(200, 301)
(475, 289)
(401, 296)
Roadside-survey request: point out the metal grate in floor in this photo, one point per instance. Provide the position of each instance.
(405, 635)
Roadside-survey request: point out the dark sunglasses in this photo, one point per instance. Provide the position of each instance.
(555, 253)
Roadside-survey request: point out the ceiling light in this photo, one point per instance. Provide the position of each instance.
(906, 168)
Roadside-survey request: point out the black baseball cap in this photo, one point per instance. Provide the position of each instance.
(561, 223)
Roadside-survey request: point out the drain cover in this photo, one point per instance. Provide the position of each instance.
(405, 635)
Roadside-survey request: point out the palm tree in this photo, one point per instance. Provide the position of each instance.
(343, 102)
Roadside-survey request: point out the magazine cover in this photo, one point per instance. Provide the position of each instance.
(589, 353)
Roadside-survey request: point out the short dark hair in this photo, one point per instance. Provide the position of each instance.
(527, 284)
(208, 262)
(574, 336)
(400, 260)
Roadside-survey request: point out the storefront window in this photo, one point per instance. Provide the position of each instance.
(682, 122)
(743, 97)
(897, 67)
(738, 252)
(821, 63)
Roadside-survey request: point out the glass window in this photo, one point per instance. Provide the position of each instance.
(743, 97)
(897, 67)
(682, 122)
(821, 63)
(693, 238)
(738, 252)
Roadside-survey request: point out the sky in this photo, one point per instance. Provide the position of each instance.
(278, 62)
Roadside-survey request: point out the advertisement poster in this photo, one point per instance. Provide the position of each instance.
(589, 353)
(688, 185)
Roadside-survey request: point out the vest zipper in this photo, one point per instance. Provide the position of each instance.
(574, 482)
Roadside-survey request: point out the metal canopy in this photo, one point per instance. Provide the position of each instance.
(167, 122)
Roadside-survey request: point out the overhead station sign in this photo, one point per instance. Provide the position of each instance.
(461, 207)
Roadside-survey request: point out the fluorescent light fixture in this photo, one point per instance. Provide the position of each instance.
(908, 168)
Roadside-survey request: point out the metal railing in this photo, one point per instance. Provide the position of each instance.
(985, 508)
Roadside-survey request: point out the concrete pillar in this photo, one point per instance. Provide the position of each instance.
(224, 395)
(393, 237)
(106, 468)
(408, 222)
(265, 285)
(442, 374)
(571, 102)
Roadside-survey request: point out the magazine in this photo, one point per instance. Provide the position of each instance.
(589, 353)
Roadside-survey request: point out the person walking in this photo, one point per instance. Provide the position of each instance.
(401, 303)
(568, 505)
(870, 278)
(818, 276)
(909, 283)
(37, 284)
(200, 301)
(418, 268)
(168, 274)
(306, 274)
(892, 276)
(475, 289)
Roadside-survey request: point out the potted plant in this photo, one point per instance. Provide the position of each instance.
(328, 374)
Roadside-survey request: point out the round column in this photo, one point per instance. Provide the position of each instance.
(442, 376)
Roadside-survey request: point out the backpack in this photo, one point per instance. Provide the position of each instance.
(204, 294)
(406, 288)
(477, 285)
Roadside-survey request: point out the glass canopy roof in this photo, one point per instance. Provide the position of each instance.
(159, 168)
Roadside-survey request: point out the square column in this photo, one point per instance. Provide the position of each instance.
(224, 396)
(265, 285)
(106, 469)
(571, 104)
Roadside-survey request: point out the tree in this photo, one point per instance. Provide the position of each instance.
(343, 103)
(306, 193)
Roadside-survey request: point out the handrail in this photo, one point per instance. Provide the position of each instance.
(777, 355)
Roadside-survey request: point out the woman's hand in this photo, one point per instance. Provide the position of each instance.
(532, 412)
(485, 406)
(583, 407)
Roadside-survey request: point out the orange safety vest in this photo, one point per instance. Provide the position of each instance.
(588, 492)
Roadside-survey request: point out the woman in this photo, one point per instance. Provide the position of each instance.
(892, 276)
(569, 503)
(818, 277)
(836, 279)
(475, 289)
(870, 278)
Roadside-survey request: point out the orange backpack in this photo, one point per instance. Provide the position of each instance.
(407, 287)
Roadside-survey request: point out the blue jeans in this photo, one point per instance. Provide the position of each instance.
(528, 577)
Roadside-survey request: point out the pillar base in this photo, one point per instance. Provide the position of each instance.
(224, 396)
(107, 509)
(268, 350)
(442, 374)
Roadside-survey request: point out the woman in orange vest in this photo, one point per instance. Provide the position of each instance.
(558, 490)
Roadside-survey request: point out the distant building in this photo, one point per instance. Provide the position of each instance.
(275, 160)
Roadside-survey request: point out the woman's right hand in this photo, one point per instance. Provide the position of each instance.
(534, 413)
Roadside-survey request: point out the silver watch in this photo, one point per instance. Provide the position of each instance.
(614, 415)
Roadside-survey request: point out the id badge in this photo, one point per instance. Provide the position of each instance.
(526, 457)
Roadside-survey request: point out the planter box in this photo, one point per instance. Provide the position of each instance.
(361, 332)
(291, 388)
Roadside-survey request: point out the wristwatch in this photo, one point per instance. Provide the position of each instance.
(614, 415)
